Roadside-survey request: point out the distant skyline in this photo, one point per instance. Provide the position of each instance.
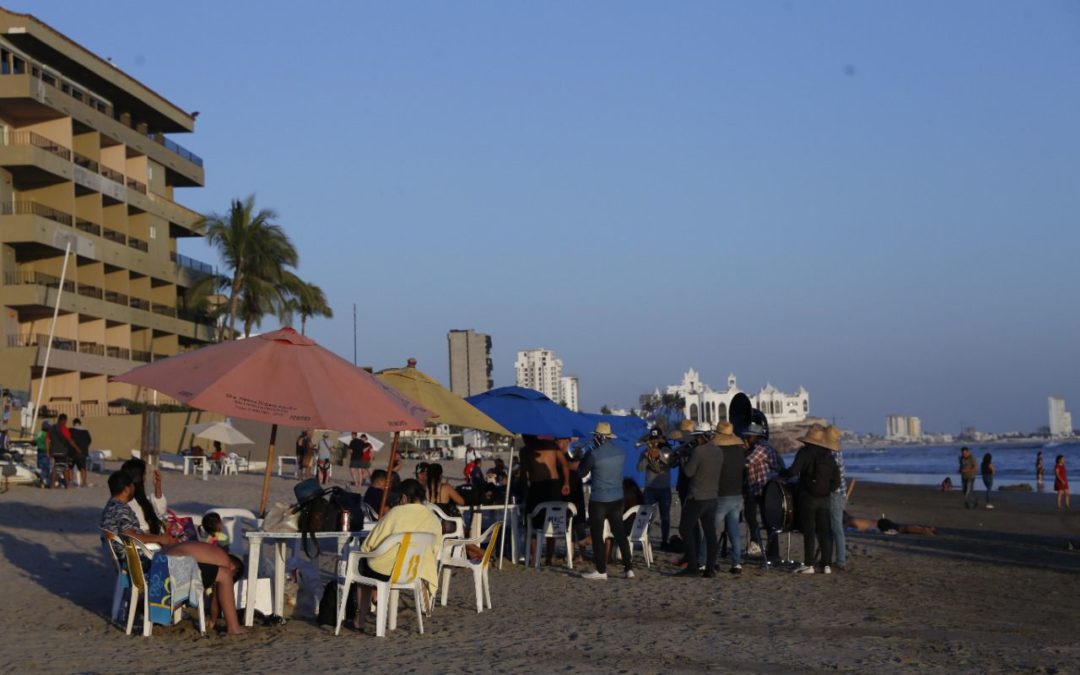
(876, 201)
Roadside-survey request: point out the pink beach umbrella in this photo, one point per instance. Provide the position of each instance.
(281, 378)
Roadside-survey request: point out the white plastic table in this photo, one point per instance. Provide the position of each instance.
(282, 460)
(280, 541)
(476, 526)
(203, 465)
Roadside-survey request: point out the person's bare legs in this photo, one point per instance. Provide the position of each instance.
(363, 603)
(1060, 492)
(82, 478)
(223, 584)
(357, 476)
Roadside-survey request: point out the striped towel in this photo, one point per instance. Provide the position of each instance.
(173, 581)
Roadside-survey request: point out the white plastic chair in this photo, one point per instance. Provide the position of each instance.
(228, 466)
(97, 460)
(456, 556)
(558, 522)
(236, 522)
(122, 580)
(639, 533)
(134, 550)
(404, 576)
(458, 523)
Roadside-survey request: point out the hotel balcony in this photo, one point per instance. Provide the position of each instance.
(32, 222)
(36, 161)
(71, 355)
(39, 94)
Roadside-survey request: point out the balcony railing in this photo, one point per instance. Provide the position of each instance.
(138, 244)
(36, 140)
(139, 303)
(191, 263)
(118, 352)
(178, 149)
(145, 357)
(116, 298)
(114, 176)
(89, 291)
(87, 163)
(163, 310)
(87, 226)
(30, 278)
(25, 208)
(136, 185)
(82, 346)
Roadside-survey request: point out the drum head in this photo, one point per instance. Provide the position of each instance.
(739, 412)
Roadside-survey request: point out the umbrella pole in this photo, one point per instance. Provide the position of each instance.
(506, 507)
(269, 470)
(389, 473)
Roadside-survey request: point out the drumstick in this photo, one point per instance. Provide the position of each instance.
(850, 487)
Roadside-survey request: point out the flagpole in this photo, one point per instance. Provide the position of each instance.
(52, 333)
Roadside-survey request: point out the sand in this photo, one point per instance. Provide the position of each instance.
(995, 590)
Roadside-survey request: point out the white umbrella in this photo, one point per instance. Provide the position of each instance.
(219, 431)
(376, 444)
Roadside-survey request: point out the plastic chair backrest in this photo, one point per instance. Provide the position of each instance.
(492, 535)
(457, 521)
(642, 519)
(134, 565)
(555, 516)
(108, 539)
(410, 553)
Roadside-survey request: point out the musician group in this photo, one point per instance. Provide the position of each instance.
(731, 473)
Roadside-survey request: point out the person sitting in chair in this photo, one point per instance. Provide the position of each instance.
(214, 563)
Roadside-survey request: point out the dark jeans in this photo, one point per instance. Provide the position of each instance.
(703, 512)
(815, 523)
(663, 498)
(611, 512)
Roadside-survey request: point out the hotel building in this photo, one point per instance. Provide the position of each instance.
(470, 362)
(541, 370)
(85, 161)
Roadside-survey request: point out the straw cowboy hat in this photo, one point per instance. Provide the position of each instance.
(686, 426)
(821, 437)
(725, 435)
(603, 429)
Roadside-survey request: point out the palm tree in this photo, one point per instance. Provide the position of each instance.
(306, 300)
(256, 251)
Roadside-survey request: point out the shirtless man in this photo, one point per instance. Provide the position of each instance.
(548, 474)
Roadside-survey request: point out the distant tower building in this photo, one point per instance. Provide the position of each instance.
(568, 392)
(470, 362)
(1060, 418)
(903, 428)
(539, 369)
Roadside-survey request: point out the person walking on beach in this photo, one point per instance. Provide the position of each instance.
(605, 463)
(1061, 480)
(1039, 471)
(968, 470)
(818, 479)
(303, 450)
(81, 438)
(987, 470)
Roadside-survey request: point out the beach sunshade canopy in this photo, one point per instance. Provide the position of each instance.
(527, 411)
(280, 378)
(450, 408)
(627, 429)
(222, 432)
(376, 444)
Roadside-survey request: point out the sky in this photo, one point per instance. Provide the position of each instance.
(876, 201)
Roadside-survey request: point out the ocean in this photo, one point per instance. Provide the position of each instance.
(929, 464)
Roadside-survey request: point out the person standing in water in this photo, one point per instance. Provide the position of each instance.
(1040, 470)
(988, 472)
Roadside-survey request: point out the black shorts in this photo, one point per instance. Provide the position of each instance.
(543, 491)
(366, 571)
(78, 461)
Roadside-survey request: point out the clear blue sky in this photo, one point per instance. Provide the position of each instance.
(878, 201)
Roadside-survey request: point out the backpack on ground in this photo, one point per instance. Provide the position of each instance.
(328, 605)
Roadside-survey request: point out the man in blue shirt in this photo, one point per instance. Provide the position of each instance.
(605, 463)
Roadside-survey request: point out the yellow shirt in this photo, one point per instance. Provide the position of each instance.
(406, 518)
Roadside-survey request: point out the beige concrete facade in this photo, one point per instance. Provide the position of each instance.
(84, 161)
(470, 362)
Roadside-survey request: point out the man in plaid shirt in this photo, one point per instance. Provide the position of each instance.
(763, 463)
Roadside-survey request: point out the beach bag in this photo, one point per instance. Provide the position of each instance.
(281, 518)
(317, 515)
(328, 605)
(366, 455)
(353, 504)
(181, 529)
(824, 475)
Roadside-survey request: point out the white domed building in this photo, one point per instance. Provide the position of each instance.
(708, 406)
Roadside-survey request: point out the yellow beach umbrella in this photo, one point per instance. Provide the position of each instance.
(427, 392)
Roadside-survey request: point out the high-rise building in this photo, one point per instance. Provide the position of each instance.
(1060, 418)
(903, 428)
(85, 161)
(568, 392)
(539, 369)
(470, 362)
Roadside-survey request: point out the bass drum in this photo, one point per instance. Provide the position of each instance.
(778, 512)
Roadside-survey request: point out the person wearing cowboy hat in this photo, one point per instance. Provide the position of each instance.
(819, 477)
(703, 470)
(763, 463)
(655, 462)
(605, 463)
(729, 501)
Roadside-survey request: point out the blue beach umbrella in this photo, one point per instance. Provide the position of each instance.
(527, 411)
(628, 430)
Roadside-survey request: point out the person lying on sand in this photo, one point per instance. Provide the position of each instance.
(884, 526)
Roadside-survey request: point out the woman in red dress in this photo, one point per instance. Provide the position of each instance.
(1061, 480)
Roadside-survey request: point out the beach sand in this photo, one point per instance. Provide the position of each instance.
(995, 590)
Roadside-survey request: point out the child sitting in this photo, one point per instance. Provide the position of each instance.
(214, 531)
